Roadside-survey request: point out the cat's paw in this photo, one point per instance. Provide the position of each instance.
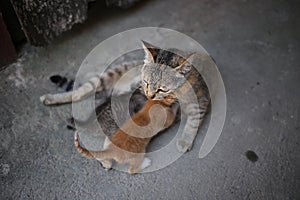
(183, 145)
(106, 164)
(46, 99)
(146, 163)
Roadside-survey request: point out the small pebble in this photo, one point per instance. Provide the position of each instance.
(252, 156)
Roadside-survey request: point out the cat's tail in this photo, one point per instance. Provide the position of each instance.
(98, 155)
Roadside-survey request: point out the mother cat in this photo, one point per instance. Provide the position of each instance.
(165, 75)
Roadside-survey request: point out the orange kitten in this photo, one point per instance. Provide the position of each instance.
(130, 148)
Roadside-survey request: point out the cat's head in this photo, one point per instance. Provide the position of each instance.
(163, 73)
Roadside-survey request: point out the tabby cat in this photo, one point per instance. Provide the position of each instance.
(125, 147)
(164, 74)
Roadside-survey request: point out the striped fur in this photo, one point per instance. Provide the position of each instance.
(164, 76)
(98, 83)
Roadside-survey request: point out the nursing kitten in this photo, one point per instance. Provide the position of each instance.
(130, 146)
(165, 75)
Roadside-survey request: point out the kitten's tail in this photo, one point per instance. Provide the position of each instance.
(99, 155)
(80, 149)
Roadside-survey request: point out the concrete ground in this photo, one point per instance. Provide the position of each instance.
(256, 47)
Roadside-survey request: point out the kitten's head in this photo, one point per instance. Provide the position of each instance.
(163, 73)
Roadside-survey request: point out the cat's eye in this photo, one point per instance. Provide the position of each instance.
(163, 90)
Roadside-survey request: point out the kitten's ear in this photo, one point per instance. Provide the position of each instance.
(150, 52)
(184, 66)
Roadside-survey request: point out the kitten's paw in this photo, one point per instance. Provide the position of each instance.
(183, 145)
(146, 163)
(132, 171)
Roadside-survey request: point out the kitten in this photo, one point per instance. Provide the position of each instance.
(130, 148)
(159, 83)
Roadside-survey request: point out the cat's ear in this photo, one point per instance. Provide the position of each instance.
(150, 52)
(184, 66)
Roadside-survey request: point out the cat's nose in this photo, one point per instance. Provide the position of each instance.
(151, 96)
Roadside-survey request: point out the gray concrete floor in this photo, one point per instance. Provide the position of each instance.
(256, 47)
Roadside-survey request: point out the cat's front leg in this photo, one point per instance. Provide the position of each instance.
(76, 95)
(106, 164)
(195, 115)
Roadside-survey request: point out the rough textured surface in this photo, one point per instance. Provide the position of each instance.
(42, 20)
(256, 47)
